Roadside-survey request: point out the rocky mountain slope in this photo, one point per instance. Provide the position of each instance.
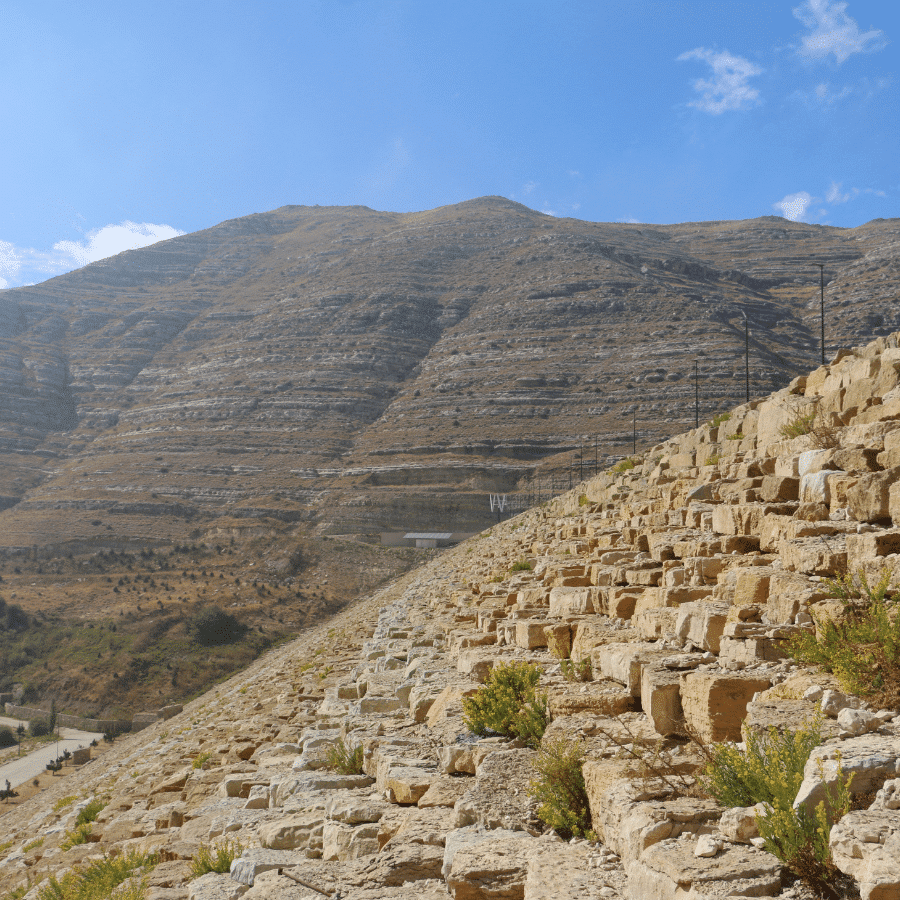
(676, 577)
(362, 371)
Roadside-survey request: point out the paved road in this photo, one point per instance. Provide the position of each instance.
(27, 767)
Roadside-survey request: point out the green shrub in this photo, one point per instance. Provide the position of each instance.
(101, 879)
(7, 738)
(862, 647)
(90, 812)
(200, 760)
(217, 857)
(716, 421)
(508, 704)
(798, 426)
(576, 670)
(39, 728)
(770, 771)
(63, 802)
(212, 627)
(624, 465)
(559, 788)
(583, 500)
(342, 758)
(80, 834)
(521, 565)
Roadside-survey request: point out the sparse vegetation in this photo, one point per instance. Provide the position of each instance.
(341, 757)
(64, 802)
(101, 879)
(624, 465)
(201, 759)
(520, 565)
(769, 770)
(862, 646)
(216, 857)
(559, 788)
(576, 670)
(508, 704)
(717, 420)
(812, 422)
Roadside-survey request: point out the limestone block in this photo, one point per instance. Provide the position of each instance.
(779, 488)
(752, 585)
(355, 810)
(557, 869)
(296, 832)
(813, 556)
(600, 698)
(590, 633)
(869, 547)
(476, 663)
(489, 801)
(815, 486)
(444, 792)
(715, 704)
(621, 602)
(456, 759)
(738, 823)
(407, 784)
(702, 623)
(669, 870)
(530, 634)
(346, 842)
(631, 816)
(653, 624)
(216, 886)
(869, 499)
(624, 662)
(569, 601)
(486, 865)
(254, 861)
(866, 845)
(661, 698)
(559, 640)
(789, 592)
(869, 760)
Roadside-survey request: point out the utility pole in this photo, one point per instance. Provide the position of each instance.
(822, 304)
(747, 353)
(634, 432)
(696, 395)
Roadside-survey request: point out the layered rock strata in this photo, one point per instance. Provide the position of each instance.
(677, 578)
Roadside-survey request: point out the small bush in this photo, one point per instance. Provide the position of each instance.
(862, 648)
(508, 704)
(200, 760)
(624, 465)
(716, 421)
(576, 670)
(63, 802)
(342, 758)
(583, 500)
(81, 834)
(39, 728)
(101, 879)
(217, 857)
(769, 770)
(559, 788)
(798, 426)
(521, 565)
(7, 738)
(822, 435)
(90, 812)
(212, 627)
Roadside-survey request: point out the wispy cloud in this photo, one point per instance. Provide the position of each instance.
(831, 30)
(113, 239)
(794, 206)
(729, 87)
(25, 265)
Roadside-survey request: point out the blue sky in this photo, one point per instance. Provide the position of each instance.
(125, 123)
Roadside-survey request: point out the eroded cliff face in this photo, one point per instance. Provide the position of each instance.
(676, 578)
(362, 371)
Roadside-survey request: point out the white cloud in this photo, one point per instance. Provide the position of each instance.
(834, 195)
(113, 239)
(833, 31)
(728, 88)
(9, 263)
(794, 206)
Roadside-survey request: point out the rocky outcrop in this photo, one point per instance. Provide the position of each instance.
(677, 579)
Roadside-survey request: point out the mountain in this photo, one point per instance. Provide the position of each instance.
(316, 371)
